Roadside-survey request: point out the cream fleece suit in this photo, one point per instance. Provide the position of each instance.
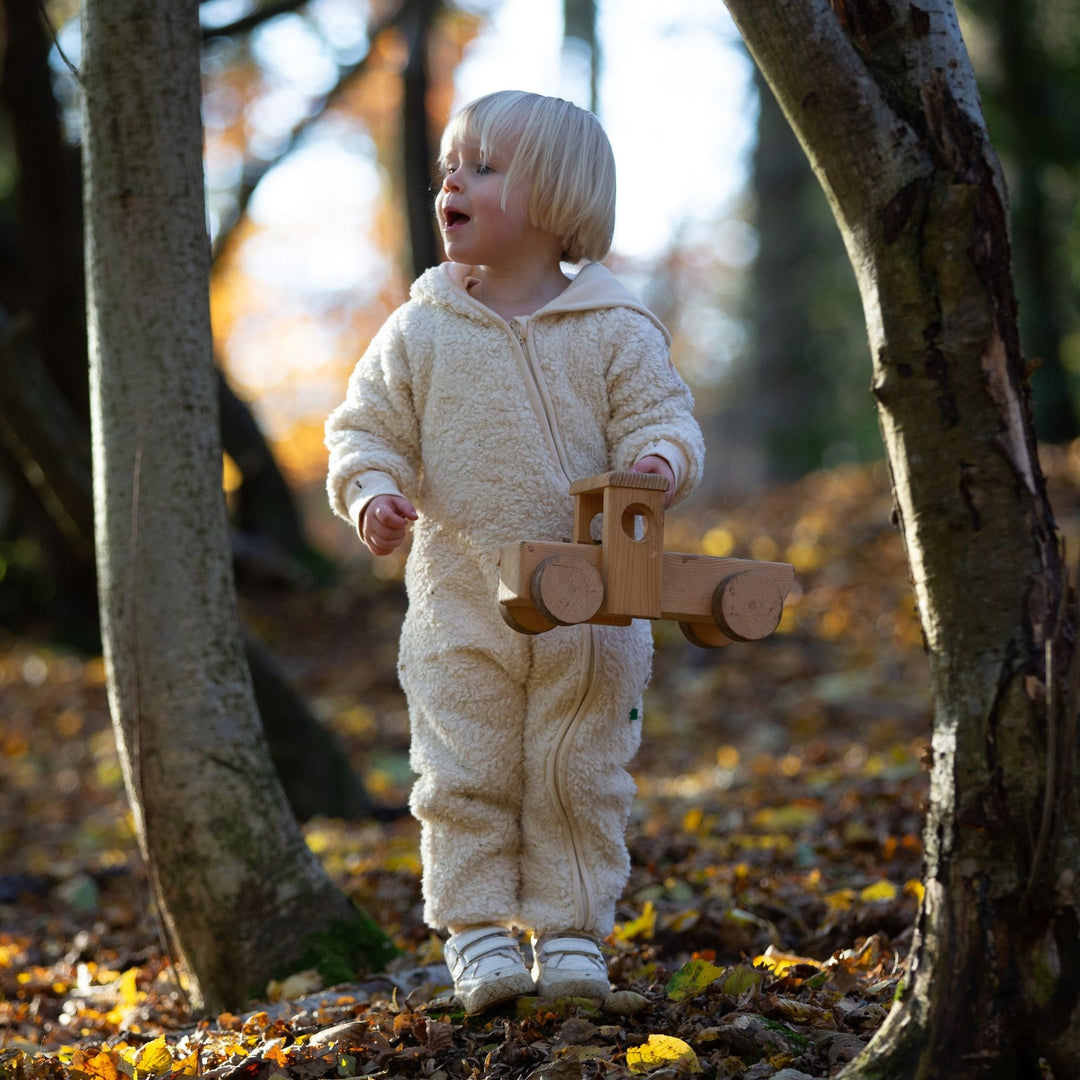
(520, 743)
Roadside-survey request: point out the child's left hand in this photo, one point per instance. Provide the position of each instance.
(656, 465)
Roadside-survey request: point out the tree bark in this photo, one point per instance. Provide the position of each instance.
(234, 880)
(579, 33)
(787, 400)
(417, 156)
(882, 97)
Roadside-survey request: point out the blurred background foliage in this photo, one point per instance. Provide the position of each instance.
(321, 119)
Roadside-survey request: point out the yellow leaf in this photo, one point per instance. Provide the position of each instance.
(188, 1066)
(97, 1063)
(780, 963)
(128, 1053)
(643, 927)
(880, 890)
(718, 541)
(129, 992)
(661, 1051)
(840, 900)
(319, 840)
(231, 476)
(691, 979)
(915, 888)
(154, 1058)
(727, 757)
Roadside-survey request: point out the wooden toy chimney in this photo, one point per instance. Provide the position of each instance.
(632, 537)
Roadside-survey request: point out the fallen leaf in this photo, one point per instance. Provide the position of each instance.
(662, 1051)
(691, 979)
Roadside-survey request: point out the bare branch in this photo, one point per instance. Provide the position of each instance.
(254, 174)
(254, 19)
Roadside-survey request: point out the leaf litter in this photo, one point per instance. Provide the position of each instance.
(775, 841)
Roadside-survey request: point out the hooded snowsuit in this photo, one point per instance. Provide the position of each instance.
(520, 743)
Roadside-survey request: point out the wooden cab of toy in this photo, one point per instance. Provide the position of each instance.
(631, 507)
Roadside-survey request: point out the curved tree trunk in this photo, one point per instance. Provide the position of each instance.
(235, 881)
(881, 94)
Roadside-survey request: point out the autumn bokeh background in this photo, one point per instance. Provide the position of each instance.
(318, 259)
(721, 227)
(781, 783)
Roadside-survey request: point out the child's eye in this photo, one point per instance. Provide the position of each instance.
(483, 168)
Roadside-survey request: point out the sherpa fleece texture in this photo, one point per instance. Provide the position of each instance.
(520, 743)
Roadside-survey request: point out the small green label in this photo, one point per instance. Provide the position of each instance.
(633, 714)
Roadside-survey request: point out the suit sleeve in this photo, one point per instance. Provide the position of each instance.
(375, 431)
(649, 403)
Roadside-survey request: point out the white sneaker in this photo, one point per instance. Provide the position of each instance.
(569, 964)
(486, 966)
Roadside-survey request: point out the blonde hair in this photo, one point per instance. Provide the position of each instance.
(562, 153)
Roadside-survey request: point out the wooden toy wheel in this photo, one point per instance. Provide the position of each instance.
(747, 606)
(525, 620)
(704, 635)
(566, 589)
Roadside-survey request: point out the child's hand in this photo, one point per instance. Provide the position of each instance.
(656, 465)
(384, 521)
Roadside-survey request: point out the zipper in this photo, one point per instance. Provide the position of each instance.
(581, 885)
(556, 769)
(557, 766)
(538, 394)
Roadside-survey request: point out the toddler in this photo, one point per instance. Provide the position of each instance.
(497, 384)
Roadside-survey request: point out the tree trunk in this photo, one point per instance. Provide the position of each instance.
(416, 148)
(236, 884)
(47, 279)
(787, 401)
(580, 41)
(882, 97)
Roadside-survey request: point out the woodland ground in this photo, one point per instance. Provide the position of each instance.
(776, 842)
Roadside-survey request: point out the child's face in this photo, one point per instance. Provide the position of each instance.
(476, 229)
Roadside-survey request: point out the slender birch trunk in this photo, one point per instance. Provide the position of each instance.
(882, 97)
(235, 882)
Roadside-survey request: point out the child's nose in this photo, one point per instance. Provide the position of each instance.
(451, 181)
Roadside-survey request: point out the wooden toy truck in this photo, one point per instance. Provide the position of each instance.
(628, 575)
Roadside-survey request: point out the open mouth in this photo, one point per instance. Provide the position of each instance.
(453, 218)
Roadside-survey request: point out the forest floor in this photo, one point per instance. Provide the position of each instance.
(776, 842)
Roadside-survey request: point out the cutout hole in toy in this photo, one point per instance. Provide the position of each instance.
(637, 522)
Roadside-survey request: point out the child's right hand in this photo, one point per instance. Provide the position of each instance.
(384, 521)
